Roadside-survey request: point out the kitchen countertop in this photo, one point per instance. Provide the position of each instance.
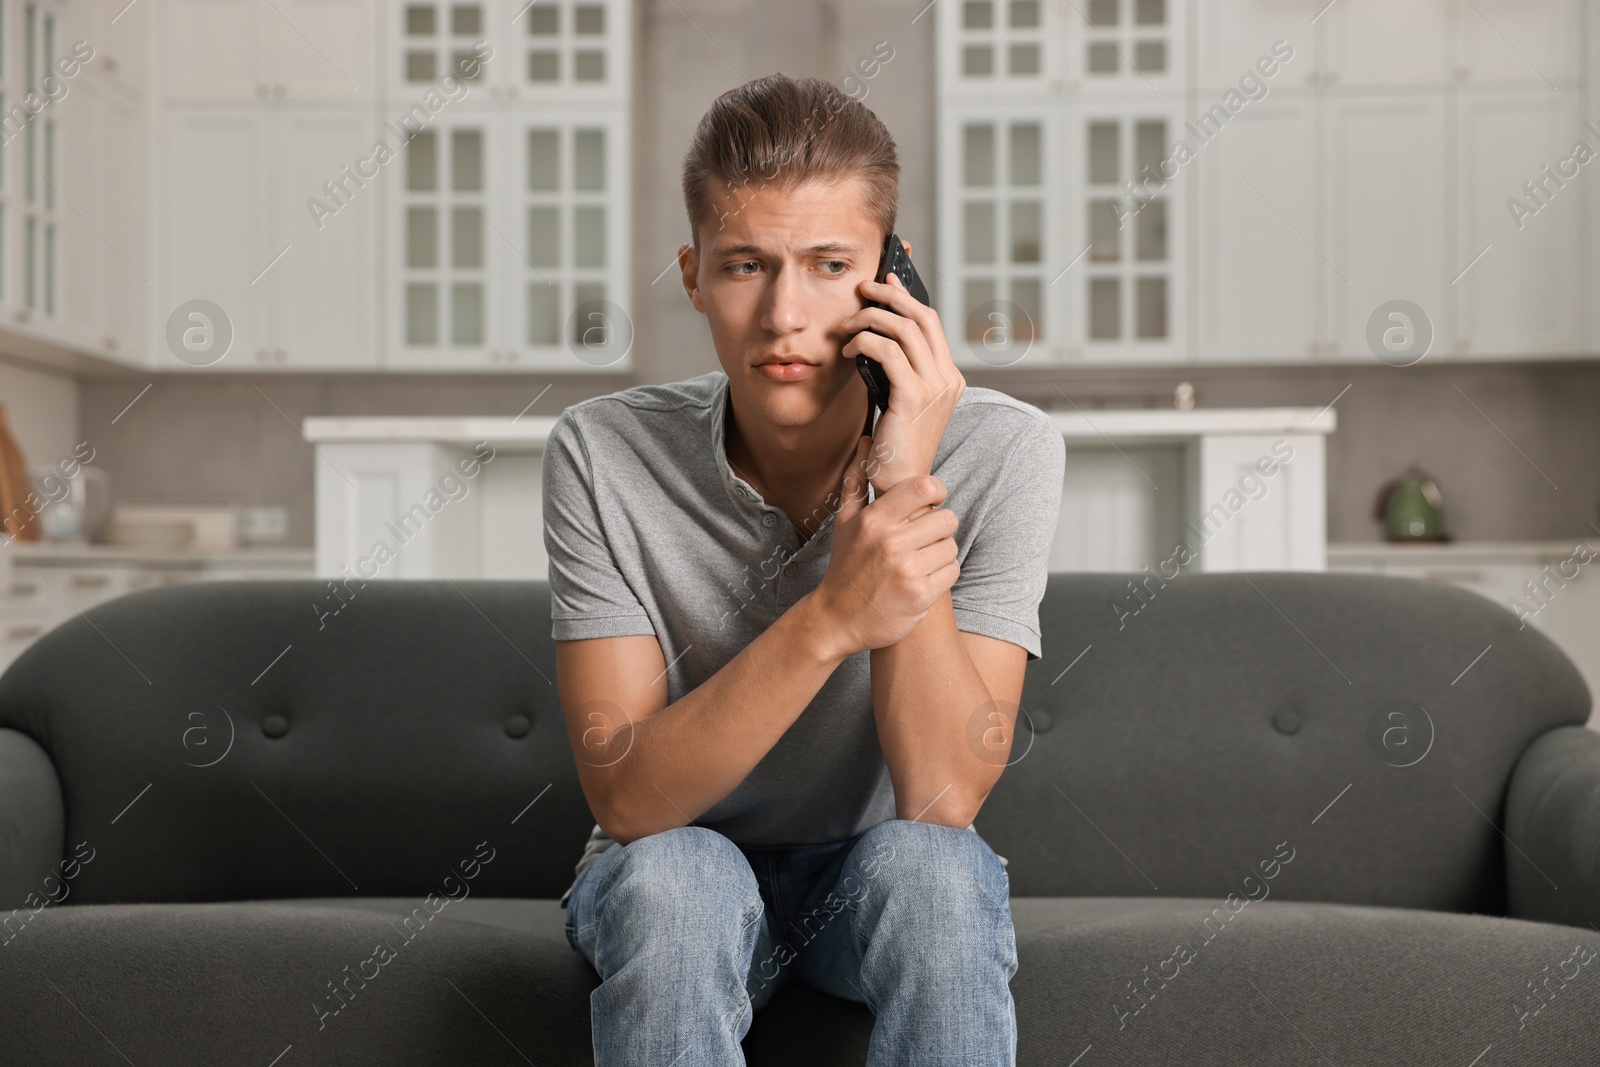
(78, 553)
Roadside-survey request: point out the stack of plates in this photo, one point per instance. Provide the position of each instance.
(195, 527)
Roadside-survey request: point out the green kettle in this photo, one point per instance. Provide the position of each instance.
(1411, 508)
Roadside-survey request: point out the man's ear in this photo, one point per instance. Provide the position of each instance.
(907, 244)
(689, 265)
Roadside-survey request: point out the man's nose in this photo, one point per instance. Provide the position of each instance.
(786, 301)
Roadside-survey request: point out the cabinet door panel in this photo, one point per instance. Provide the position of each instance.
(126, 267)
(322, 294)
(81, 182)
(214, 49)
(1387, 237)
(452, 250)
(1258, 270)
(1518, 41)
(1380, 42)
(322, 49)
(1526, 295)
(215, 237)
(569, 221)
(1232, 35)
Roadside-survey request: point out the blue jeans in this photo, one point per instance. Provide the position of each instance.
(692, 934)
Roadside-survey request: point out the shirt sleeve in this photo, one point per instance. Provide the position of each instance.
(589, 596)
(1005, 570)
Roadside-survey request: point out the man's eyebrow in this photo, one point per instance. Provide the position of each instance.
(826, 248)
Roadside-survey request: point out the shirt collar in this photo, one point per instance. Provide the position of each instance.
(742, 493)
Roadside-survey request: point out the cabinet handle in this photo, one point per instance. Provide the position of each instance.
(90, 581)
(111, 343)
(20, 633)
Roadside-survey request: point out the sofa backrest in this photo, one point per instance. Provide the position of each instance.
(1191, 734)
(240, 740)
(1351, 735)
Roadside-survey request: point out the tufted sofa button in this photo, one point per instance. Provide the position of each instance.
(1287, 721)
(275, 725)
(518, 726)
(1042, 721)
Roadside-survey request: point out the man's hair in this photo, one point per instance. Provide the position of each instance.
(784, 131)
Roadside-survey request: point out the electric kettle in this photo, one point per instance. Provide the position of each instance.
(1411, 508)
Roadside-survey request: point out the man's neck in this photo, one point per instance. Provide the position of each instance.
(796, 469)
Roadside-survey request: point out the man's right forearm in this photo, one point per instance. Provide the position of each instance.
(683, 759)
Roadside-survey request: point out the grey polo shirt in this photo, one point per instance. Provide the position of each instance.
(650, 531)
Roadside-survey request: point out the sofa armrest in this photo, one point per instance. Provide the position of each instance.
(33, 823)
(1553, 816)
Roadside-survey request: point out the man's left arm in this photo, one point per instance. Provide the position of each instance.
(946, 695)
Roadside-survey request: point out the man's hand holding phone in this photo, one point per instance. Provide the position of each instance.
(889, 562)
(907, 338)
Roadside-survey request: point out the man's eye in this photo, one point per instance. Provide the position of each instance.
(843, 267)
(747, 263)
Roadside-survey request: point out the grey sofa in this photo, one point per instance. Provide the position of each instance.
(1365, 807)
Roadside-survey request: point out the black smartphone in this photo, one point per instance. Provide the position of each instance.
(893, 260)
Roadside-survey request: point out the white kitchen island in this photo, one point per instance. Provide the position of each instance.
(1243, 489)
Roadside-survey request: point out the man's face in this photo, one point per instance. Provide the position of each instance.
(776, 273)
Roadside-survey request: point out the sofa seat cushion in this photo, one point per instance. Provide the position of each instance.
(494, 981)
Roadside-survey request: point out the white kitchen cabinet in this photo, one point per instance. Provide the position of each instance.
(567, 51)
(1528, 295)
(121, 34)
(1383, 43)
(1244, 489)
(322, 296)
(214, 235)
(1259, 274)
(238, 232)
(1515, 42)
(1386, 225)
(105, 267)
(1126, 298)
(510, 229)
(1231, 35)
(1014, 172)
(508, 216)
(295, 50)
(1372, 165)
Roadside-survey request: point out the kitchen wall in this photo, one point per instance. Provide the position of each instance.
(41, 409)
(1514, 445)
(1491, 434)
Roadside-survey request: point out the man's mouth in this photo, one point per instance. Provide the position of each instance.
(785, 368)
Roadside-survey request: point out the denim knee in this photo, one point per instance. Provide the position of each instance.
(930, 862)
(684, 878)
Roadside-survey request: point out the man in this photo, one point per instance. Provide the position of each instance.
(790, 655)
